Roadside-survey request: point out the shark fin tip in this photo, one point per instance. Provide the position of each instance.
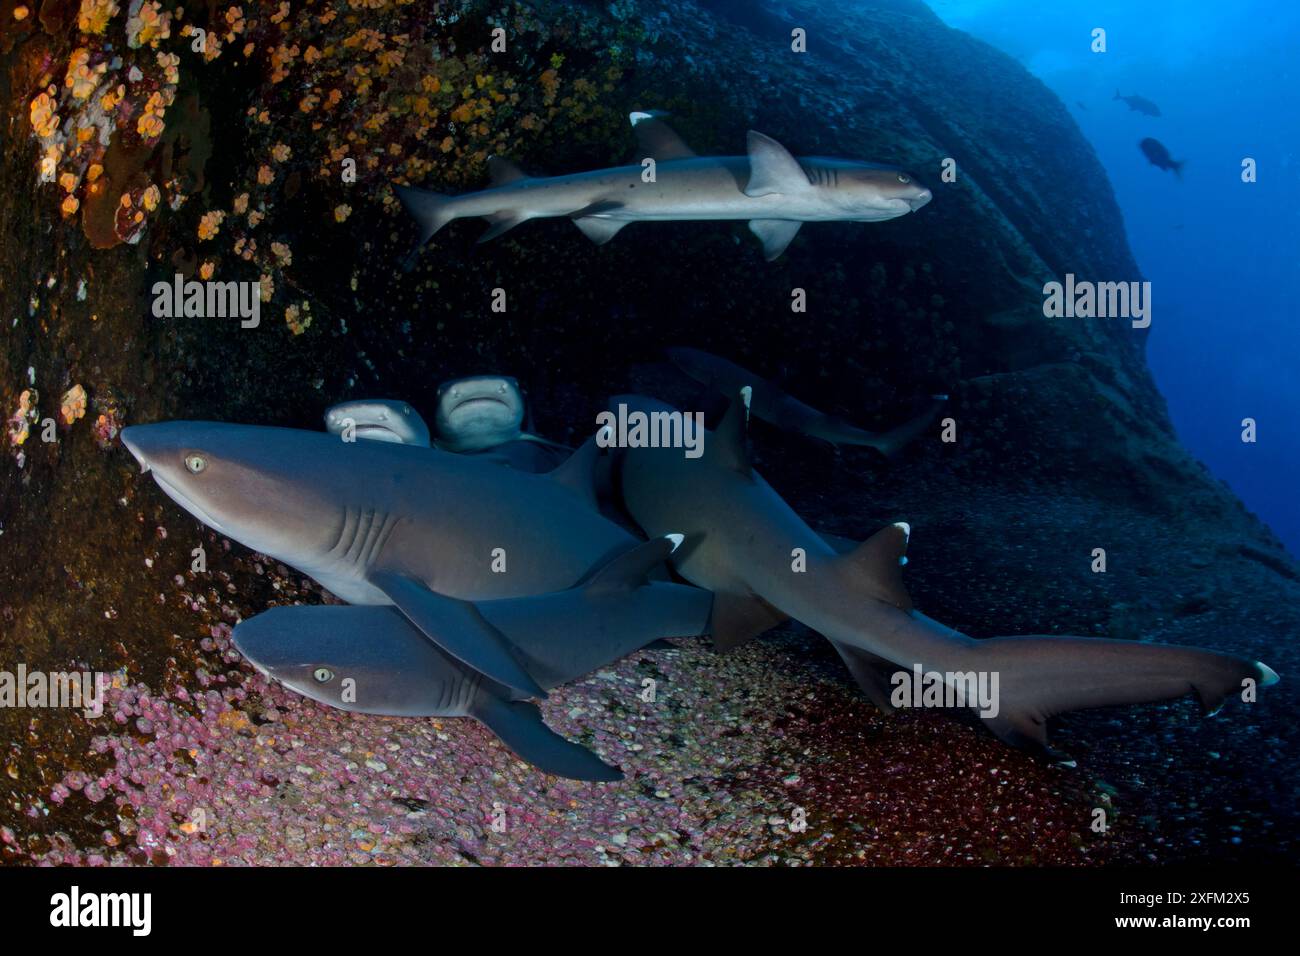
(676, 540)
(1267, 676)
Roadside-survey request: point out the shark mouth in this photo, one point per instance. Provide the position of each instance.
(177, 496)
(481, 405)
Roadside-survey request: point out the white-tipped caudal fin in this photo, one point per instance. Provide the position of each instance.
(431, 210)
(1039, 677)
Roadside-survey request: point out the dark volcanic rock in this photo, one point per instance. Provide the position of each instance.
(1063, 444)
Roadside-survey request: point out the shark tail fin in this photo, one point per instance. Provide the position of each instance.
(1041, 676)
(431, 210)
(1178, 165)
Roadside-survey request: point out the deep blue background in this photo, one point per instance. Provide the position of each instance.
(1223, 256)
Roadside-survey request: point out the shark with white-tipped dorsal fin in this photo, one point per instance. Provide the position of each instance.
(768, 187)
(742, 538)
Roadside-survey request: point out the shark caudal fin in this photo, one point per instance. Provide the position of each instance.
(431, 210)
(1041, 676)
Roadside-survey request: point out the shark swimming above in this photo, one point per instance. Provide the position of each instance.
(373, 660)
(776, 407)
(768, 187)
(766, 566)
(380, 522)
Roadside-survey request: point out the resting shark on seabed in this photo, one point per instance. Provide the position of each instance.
(765, 566)
(776, 407)
(480, 414)
(373, 660)
(775, 191)
(379, 522)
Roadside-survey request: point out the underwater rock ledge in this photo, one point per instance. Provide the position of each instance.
(229, 161)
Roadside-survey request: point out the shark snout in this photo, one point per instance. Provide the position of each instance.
(922, 197)
(133, 440)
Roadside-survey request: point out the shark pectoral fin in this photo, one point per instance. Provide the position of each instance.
(738, 618)
(878, 562)
(520, 727)
(772, 169)
(630, 569)
(1022, 730)
(656, 139)
(501, 223)
(458, 628)
(730, 445)
(599, 231)
(502, 172)
(775, 235)
(872, 674)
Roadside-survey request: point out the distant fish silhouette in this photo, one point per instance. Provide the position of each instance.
(1155, 152)
(1139, 104)
(1079, 103)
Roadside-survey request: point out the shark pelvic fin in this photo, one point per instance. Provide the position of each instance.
(656, 139)
(872, 674)
(738, 618)
(775, 235)
(730, 444)
(502, 172)
(772, 169)
(878, 564)
(458, 628)
(500, 223)
(630, 569)
(519, 726)
(599, 231)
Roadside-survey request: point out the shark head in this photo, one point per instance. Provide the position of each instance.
(478, 412)
(366, 659)
(256, 485)
(866, 191)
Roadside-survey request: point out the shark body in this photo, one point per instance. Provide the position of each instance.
(777, 407)
(770, 188)
(381, 522)
(373, 660)
(765, 565)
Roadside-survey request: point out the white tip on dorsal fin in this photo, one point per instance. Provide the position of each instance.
(630, 568)
(729, 446)
(502, 172)
(772, 169)
(877, 564)
(657, 139)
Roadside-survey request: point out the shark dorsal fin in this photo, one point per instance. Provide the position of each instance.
(878, 564)
(578, 471)
(729, 445)
(630, 568)
(656, 139)
(772, 169)
(502, 172)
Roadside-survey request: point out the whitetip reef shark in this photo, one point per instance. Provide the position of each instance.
(777, 407)
(741, 544)
(770, 188)
(478, 414)
(379, 522)
(373, 660)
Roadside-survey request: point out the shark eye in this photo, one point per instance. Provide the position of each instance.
(904, 178)
(195, 464)
(322, 675)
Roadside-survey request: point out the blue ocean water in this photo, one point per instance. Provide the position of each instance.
(1223, 256)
